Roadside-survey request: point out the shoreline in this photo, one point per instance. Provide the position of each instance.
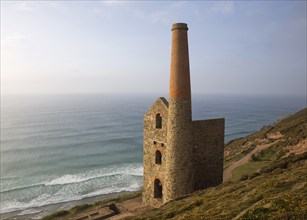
(40, 212)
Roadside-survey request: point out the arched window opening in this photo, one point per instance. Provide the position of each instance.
(158, 121)
(158, 157)
(158, 189)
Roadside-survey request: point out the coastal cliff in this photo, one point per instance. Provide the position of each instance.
(264, 178)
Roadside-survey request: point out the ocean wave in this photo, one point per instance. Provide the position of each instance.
(22, 187)
(128, 169)
(67, 179)
(131, 188)
(29, 211)
(8, 178)
(50, 199)
(71, 187)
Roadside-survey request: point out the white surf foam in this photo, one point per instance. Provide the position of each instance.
(76, 187)
(48, 199)
(129, 169)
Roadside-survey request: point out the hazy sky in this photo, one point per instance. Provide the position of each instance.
(239, 47)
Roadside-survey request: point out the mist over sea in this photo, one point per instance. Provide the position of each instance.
(58, 148)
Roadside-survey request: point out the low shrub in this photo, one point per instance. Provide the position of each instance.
(257, 213)
(55, 215)
(243, 177)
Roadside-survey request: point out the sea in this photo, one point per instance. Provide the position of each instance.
(63, 148)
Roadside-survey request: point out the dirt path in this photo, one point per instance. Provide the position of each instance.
(227, 172)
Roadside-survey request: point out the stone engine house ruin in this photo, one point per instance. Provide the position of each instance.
(180, 155)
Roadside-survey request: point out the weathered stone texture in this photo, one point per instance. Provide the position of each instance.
(192, 151)
(179, 166)
(208, 152)
(154, 139)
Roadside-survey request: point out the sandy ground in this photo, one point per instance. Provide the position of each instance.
(299, 148)
(275, 136)
(228, 171)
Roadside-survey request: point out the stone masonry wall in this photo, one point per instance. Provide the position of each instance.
(192, 151)
(154, 139)
(179, 162)
(208, 152)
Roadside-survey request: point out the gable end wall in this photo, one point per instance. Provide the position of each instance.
(151, 134)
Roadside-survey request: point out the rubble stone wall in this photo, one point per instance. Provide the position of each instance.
(154, 139)
(208, 152)
(179, 162)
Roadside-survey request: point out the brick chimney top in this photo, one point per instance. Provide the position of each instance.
(178, 26)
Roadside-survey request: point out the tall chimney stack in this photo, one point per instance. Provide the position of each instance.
(179, 175)
(180, 69)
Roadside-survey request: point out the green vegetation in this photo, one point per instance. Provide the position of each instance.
(238, 156)
(268, 154)
(277, 193)
(248, 168)
(293, 128)
(57, 215)
(259, 160)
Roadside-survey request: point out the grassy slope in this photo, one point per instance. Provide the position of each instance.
(293, 129)
(278, 194)
(273, 187)
(248, 168)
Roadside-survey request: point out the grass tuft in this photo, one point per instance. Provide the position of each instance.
(56, 215)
